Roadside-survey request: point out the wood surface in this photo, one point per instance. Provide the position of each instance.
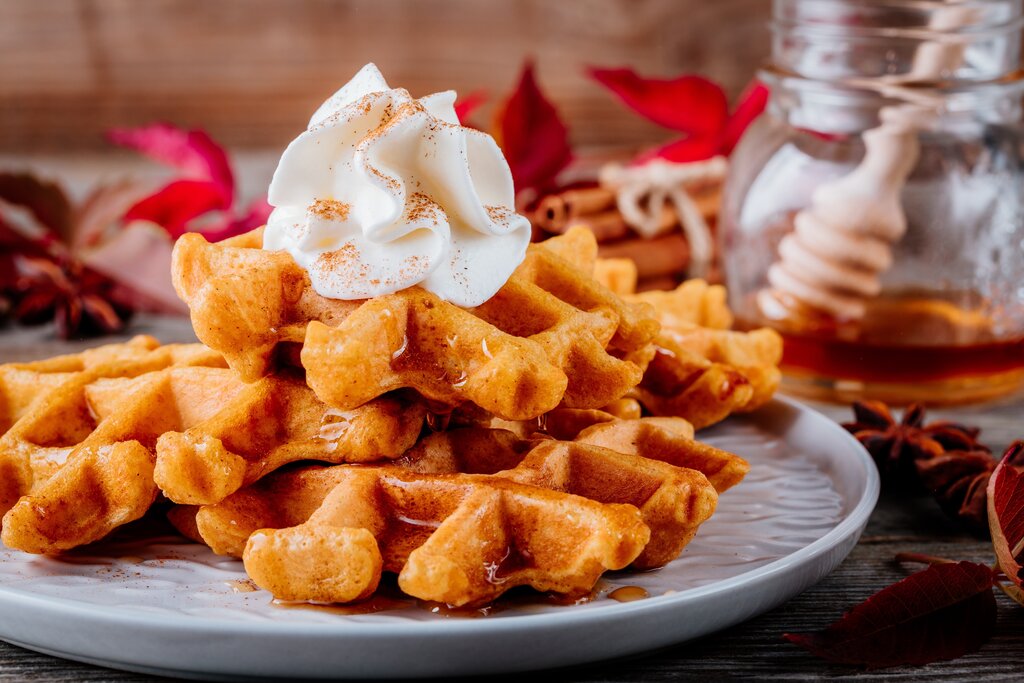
(753, 650)
(252, 71)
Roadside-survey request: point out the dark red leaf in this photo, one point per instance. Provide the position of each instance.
(752, 103)
(1006, 512)
(942, 612)
(192, 152)
(177, 203)
(45, 200)
(465, 106)
(533, 137)
(688, 104)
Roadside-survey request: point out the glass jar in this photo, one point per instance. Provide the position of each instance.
(873, 215)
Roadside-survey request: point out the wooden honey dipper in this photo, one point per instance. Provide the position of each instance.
(840, 246)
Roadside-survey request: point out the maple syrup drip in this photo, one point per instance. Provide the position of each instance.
(375, 603)
(467, 612)
(242, 585)
(628, 594)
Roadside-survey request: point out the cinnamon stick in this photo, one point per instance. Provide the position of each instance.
(665, 255)
(606, 225)
(556, 211)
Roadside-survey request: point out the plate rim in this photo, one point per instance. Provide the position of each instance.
(200, 625)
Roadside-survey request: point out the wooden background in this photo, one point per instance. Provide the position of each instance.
(252, 71)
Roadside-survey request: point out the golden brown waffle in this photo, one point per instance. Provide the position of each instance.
(43, 405)
(21, 384)
(703, 371)
(666, 440)
(550, 336)
(437, 519)
(673, 500)
(326, 534)
(87, 457)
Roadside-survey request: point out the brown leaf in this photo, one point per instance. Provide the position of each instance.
(942, 612)
(44, 199)
(1006, 512)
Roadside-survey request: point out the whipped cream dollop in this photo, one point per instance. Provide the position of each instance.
(384, 191)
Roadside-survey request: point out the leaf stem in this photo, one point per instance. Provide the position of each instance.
(922, 558)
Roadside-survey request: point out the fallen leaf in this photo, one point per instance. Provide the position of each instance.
(532, 136)
(177, 203)
(192, 152)
(689, 104)
(942, 612)
(44, 199)
(1006, 512)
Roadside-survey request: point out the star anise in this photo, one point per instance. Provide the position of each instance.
(959, 480)
(943, 457)
(897, 446)
(79, 300)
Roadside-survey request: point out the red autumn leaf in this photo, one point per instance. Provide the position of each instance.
(45, 200)
(1006, 512)
(681, 151)
(256, 216)
(752, 102)
(689, 104)
(177, 203)
(465, 106)
(532, 136)
(192, 152)
(942, 612)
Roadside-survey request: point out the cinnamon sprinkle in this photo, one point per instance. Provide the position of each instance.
(330, 209)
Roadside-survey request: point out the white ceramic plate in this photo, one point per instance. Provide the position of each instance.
(173, 608)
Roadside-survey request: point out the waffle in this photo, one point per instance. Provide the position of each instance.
(551, 336)
(703, 371)
(448, 517)
(674, 501)
(43, 407)
(21, 384)
(326, 534)
(89, 455)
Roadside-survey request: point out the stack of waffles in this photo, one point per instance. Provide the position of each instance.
(541, 438)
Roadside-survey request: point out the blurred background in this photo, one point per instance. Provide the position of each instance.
(251, 71)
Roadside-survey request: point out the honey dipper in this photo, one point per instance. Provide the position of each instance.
(832, 261)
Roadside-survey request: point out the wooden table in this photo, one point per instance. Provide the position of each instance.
(751, 650)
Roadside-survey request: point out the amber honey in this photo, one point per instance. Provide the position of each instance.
(906, 349)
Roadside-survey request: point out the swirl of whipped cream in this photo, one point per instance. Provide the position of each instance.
(384, 191)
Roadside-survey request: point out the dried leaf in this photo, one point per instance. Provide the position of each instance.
(1006, 512)
(532, 136)
(192, 152)
(177, 203)
(689, 104)
(45, 200)
(939, 613)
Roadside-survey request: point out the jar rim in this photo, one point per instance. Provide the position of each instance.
(992, 17)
